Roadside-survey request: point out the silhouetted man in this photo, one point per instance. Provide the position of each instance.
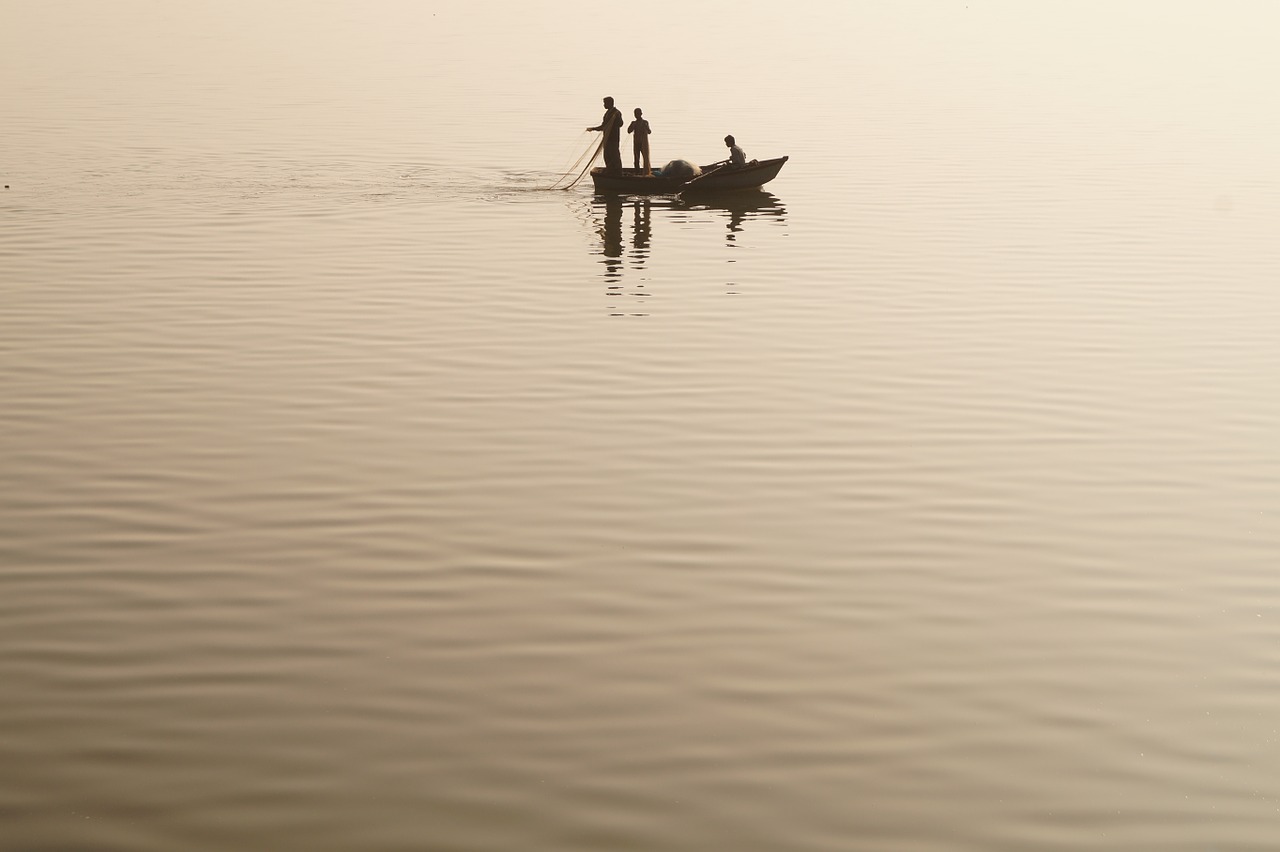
(737, 158)
(611, 127)
(640, 142)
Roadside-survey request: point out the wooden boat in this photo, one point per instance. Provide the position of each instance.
(717, 177)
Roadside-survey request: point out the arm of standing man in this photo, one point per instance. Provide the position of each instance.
(607, 122)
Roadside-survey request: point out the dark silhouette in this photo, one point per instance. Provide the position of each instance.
(641, 230)
(611, 237)
(640, 142)
(611, 127)
(737, 158)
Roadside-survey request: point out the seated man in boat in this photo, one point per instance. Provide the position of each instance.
(737, 158)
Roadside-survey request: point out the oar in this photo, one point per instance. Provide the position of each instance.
(710, 171)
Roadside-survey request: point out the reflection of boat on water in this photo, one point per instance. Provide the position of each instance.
(609, 211)
(763, 203)
(625, 232)
(715, 178)
(739, 206)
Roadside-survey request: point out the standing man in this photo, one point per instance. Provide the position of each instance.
(611, 127)
(640, 142)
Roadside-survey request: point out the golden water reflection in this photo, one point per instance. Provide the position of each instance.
(624, 227)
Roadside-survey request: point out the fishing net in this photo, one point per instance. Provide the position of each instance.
(594, 147)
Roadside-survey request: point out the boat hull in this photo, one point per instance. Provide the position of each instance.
(715, 178)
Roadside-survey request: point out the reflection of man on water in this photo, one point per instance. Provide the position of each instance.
(611, 235)
(736, 215)
(640, 230)
(611, 127)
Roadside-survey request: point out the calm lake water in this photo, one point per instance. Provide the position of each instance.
(360, 493)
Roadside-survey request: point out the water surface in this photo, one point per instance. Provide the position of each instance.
(361, 494)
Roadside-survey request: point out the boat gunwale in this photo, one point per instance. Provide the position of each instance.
(631, 182)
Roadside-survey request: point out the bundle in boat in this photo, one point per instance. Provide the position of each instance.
(679, 169)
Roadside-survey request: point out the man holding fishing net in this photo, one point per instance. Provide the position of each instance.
(611, 127)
